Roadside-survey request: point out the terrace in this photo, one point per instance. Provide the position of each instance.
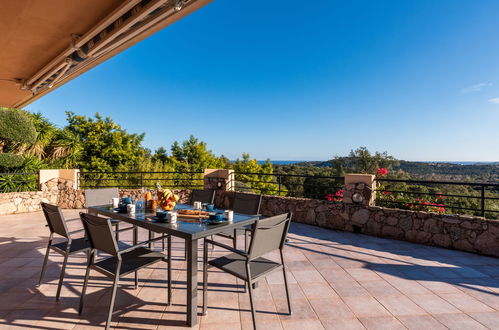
(338, 280)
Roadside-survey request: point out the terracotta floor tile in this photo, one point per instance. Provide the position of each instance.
(342, 324)
(382, 323)
(318, 290)
(400, 305)
(421, 322)
(465, 303)
(365, 306)
(331, 308)
(310, 324)
(433, 304)
(488, 319)
(380, 288)
(459, 322)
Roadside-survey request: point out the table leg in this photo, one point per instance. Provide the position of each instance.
(192, 282)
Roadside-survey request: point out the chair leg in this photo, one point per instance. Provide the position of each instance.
(85, 284)
(205, 279)
(246, 240)
(286, 283)
(113, 296)
(151, 236)
(253, 313)
(169, 270)
(136, 280)
(185, 250)
(234, 239)
(117, 233)
(45, 261)
(61, 277)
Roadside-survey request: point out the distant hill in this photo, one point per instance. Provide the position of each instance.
(459, 171)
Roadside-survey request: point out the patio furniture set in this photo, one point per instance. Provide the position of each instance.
(106, 254)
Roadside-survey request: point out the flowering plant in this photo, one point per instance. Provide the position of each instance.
(336, 197)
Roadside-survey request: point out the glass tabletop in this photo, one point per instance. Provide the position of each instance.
(188, 226)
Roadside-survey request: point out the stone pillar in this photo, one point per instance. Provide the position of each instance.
(359, 189)
(69, 175)
(219, 179)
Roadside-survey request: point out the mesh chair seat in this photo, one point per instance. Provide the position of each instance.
(131, 261)
(78, 244)
(235, 264)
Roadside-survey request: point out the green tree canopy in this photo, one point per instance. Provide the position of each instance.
(193, 155)
(105, 145)
(16, 130)
(258, 177)
(362, 161)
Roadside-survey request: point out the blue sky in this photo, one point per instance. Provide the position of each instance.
(298, 80)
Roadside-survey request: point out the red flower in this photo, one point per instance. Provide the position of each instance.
(382, 171)
(387, 193)
(442, 210)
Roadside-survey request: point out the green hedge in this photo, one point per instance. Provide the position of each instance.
(10, 161)
(16, 126)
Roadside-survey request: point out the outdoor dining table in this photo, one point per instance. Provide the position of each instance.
(187, 229)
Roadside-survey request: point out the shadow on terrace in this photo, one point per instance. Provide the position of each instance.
(337, 280)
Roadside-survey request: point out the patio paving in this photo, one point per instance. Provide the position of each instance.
(338, 280)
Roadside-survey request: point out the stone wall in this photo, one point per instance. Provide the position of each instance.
(460, 232)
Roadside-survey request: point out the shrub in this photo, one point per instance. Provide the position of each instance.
(16, 126)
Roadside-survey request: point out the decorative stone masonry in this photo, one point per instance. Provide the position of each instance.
(460, 232)
(219, 179)
(359, 189)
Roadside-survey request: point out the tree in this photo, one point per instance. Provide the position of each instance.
(361, 161)
(192, 155)
(258, 177)
(105, 145)
(16, 130)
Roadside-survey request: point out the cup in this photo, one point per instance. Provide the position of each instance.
(172, 217)
(229, 215)
(210, 207)
(197, 205)
(127, 200)
(161, 215)
(130, 208)
(114, 202)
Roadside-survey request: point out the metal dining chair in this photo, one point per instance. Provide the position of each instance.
(245, 204)
(102, 196)
(57, 225)
(121, 262)
(268, 235)
(203, 196)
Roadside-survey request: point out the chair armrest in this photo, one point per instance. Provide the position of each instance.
(224, 246)
(76, 231)
(136, 246)
(74, 219)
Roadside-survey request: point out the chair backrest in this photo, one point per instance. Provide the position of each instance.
(269, 234)
(203, 196)
(247, 203)
(55, 219)
(101, 196)
(99, 233)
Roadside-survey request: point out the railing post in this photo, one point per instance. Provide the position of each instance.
(482, 206)
(279, 178)
(142, 179)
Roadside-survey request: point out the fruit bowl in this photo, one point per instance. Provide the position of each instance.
(167, 199)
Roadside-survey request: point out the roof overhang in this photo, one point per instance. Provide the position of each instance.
(47, 43)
